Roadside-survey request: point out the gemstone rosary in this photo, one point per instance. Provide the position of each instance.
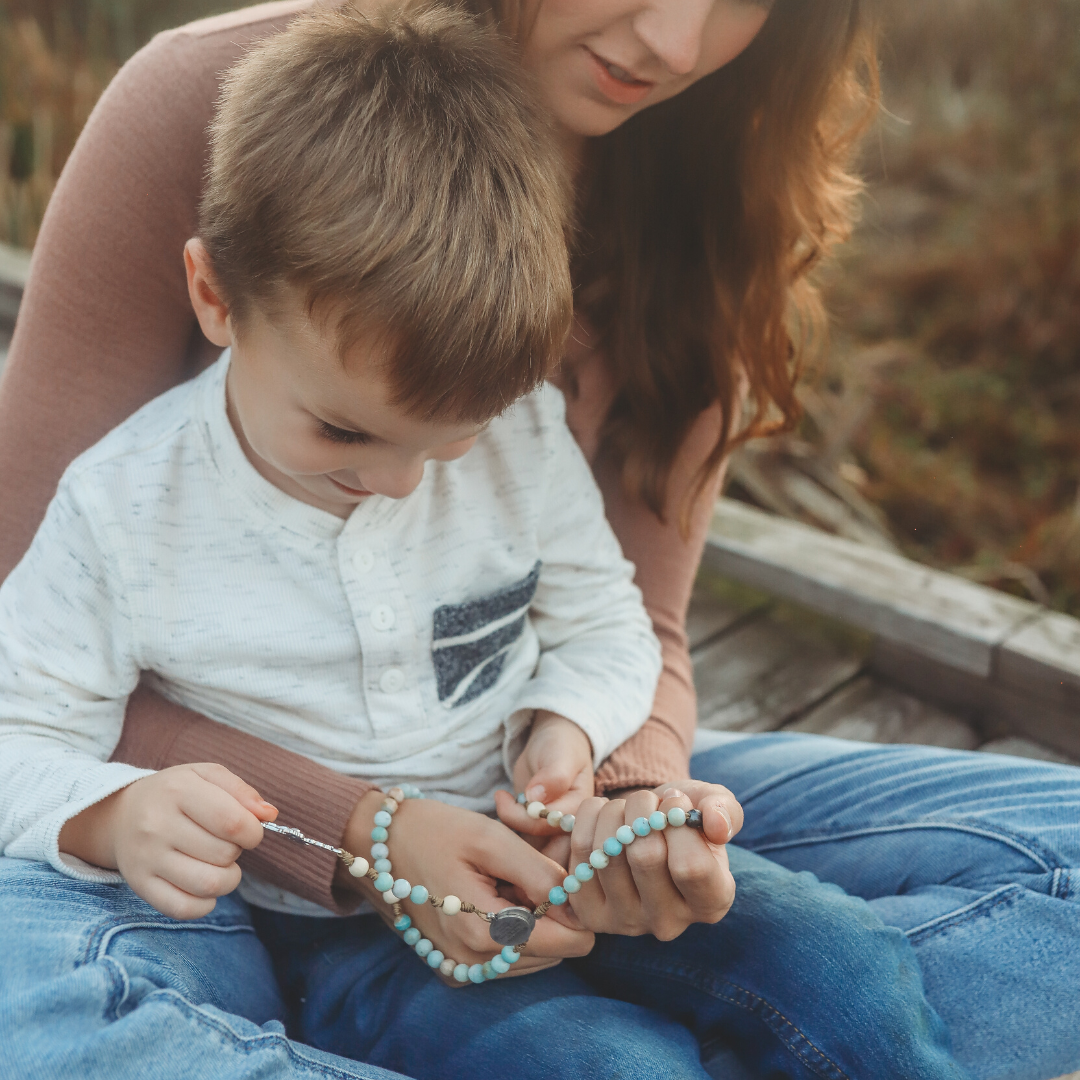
(511, 927)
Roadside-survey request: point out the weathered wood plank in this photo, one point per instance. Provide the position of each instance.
(931, 612)
(868, 710)
(1015, 746)
(708, 617)
(993, 707)
(1043, 657)
(761, 675)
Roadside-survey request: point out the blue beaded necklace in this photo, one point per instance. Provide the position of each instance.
(512, 926)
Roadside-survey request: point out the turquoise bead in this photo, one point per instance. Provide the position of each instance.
(599, 860)
(625, 835)
(676, 816)
(612, 847)
(557, 895)
(499, 964)
(435, 958)
(379, 835)
(521, 798)
(402, 923)
(509, 955)
(384, 819)
(423, 947)
(461, 973)
(641, 826)
(380, 851)
(489, 971)
(566, 823)
(476, 974)
(383, 883)
(571, 884)
(658, 820)
(382, 866)
(419, 894)
(583, 871)
(412, 936)
(402, 888)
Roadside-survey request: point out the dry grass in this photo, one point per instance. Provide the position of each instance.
(951, 393)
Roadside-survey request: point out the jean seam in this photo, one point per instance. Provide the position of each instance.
(968, 913)
(102, 936)
(249, 1044)
(742, 999)
(878, 830)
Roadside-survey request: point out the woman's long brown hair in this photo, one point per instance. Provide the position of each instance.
(699, 222)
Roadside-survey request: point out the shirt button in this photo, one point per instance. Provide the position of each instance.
(382, 617)
(363, 561)
(392, 680)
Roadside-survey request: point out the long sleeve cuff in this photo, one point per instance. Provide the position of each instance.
(158, 734)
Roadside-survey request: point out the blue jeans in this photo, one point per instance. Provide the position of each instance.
(970, 857)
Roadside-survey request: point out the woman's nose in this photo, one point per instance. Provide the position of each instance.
(672, 31)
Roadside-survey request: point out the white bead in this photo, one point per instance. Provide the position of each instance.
(447, 967)
(451, 905)
(389, 897)
(599, 859)
(554, 817)
(358, 867)
(396, 794)
(533, 809)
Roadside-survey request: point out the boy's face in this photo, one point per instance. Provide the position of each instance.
(323, 431)
(320, 430)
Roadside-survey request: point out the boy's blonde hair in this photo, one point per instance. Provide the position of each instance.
(397, 171)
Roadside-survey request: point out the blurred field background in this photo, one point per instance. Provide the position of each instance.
(944, 418)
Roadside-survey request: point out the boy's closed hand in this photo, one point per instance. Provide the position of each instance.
(175, 836)
(555, 768)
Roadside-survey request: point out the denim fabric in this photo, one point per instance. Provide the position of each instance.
(799, 981)
(96, 985)
(963, 866)
(975, 857)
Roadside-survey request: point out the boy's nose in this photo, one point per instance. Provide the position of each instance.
(396, 482)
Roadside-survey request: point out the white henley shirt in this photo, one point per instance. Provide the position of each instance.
(408, 642)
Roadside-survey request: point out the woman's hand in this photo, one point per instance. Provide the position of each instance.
(461, 853)
(667, 880)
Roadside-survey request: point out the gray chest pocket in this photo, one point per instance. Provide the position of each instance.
(471, 640)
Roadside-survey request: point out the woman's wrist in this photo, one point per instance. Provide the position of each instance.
(357, 840)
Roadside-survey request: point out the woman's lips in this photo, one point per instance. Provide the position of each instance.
(348, 490)
(623, 91)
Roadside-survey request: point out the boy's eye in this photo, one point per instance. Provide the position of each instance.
(342, 435)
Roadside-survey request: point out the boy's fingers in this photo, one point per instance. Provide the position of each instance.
(191, 839)
(214, 809)
(174, 902)
(239, 789)
(514, 816)
(197, 878)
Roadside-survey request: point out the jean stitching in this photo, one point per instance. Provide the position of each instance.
(968, 913)
(990, 834)
(101, 938)
(742, 999)
(249, 1044)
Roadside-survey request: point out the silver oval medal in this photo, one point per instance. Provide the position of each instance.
(512, 926)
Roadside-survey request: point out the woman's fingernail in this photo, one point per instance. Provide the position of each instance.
(727, 819)
(536, 794)
(673, 793)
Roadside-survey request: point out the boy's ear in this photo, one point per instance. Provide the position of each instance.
(210, 309)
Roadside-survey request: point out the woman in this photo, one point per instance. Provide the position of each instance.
(711, 139)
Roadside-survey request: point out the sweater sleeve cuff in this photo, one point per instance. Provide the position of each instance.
(158, 734)
(660, 751)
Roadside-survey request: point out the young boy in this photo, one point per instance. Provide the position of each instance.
(345, 536)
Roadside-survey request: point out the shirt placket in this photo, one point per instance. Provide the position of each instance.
(384, 624)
